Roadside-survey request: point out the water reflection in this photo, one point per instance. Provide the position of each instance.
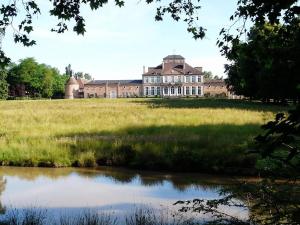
(108, 189)
(2, 188)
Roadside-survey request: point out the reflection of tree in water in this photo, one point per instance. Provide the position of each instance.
(180, 182)
(2, 188)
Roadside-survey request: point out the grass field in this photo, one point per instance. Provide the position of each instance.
(179, 134)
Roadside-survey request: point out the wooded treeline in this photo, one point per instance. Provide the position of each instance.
(31, 79)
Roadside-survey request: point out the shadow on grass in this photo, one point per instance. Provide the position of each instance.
(212, 103)
(206, 148)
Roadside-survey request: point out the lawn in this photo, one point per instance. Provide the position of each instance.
(172, 134)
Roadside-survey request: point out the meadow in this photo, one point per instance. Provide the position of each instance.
(207, 135)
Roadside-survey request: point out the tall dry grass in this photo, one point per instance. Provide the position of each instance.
(180, 134)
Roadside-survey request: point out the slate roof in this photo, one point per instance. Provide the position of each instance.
(122, 82)
(169, 67)
(174, 57)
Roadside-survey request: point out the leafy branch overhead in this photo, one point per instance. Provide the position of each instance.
(258, 12)
(66, 11)
(69, 11)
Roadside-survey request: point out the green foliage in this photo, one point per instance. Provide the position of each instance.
(38, 80)
(83, 75)
(86, 159)
(281, 144)
(3, 84)
(269, 201)
(208, 135)
(208, 75)
(65, 11)
(267, 65)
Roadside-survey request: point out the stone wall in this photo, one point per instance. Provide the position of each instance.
(215, 88)
(112, 90)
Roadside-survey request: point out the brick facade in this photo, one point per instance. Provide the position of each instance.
(172, 78)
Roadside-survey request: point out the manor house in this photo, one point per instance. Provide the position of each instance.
(172, 78)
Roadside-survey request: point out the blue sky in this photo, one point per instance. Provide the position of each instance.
(120, 41)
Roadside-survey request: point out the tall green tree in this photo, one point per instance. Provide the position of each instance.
(38, 80)
(266, 65)
(208, 75)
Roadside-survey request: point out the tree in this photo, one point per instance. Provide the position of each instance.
(269, 202)
(83, 75)
(3, 84)
(69, 70)
(87, 76)
(185, 10)
(59, 84)
(35, 80)
(266, 65)
(208, 75)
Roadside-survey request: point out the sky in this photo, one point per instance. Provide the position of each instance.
(120, 41)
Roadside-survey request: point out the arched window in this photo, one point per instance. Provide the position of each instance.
(158, 90)
(152, 91)
(147, 90)
(179, 90)
(172, 90)
(166, 91)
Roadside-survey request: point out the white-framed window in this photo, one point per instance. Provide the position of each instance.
(187, 79)
(166, 91)
(172, 79)
(172, 90)
(146, 91)
(193, 90)
(193, 79)
(165, 79)
(158, 90)
(179, 90)
(152, 79)
(152, 90)
(187, 90)
(146, 79)
(199, 90)
(199, 79)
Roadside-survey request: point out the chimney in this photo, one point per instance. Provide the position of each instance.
(144, 69)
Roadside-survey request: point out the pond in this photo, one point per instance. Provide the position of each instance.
(115, 190)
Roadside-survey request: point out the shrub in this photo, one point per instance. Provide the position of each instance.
(123, 155)
(86, 159)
